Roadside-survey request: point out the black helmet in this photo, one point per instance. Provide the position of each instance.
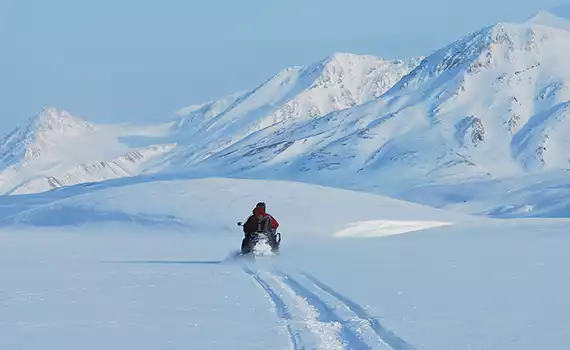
(260, 204)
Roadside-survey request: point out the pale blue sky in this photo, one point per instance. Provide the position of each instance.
(135, 60)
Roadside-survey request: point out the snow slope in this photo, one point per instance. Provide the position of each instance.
(539, 195)
(191, 204)
(147, 264)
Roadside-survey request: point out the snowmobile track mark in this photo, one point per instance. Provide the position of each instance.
(326, 314)
(305, 322)
(280, 307)
(387, 336)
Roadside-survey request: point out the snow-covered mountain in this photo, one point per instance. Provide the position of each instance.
(57, 149)
(294, 96)
(490, 106)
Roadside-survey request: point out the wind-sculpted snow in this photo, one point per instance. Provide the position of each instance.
(382, 228)
(189, 203)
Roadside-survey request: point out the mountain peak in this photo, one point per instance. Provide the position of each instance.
(558, 17)
(347, 57)
(31, 139)
(483, 50)
(348, 70)
(562, 11)
(454, 58)
(51, 119)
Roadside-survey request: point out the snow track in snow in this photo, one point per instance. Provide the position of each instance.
(318, 317)
(386, 336)
(280, 307)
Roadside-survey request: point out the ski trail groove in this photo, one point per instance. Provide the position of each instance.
(387, 336)
(280, 307)
(326, 314)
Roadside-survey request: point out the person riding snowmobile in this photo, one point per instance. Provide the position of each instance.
(260, 220)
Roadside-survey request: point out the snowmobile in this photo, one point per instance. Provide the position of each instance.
(262, 244)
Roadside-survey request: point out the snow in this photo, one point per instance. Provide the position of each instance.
(124, 236)
(482, 287)
(380, 228)
(487, 108)
(537, 195)
(120, 202)
(550, 19)
(137, 290)
(562, 11)
(72, 155)
(459, 282)
(57, 149)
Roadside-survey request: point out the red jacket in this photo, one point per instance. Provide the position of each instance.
(251, 223)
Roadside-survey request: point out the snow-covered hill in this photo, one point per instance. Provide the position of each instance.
(192, 204)
(142, 263)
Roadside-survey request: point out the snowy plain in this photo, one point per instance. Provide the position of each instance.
(149, 265)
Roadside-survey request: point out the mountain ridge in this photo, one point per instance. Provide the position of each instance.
(490, 105)
(297, 92)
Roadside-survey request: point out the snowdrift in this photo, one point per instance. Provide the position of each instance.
(214, 205)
